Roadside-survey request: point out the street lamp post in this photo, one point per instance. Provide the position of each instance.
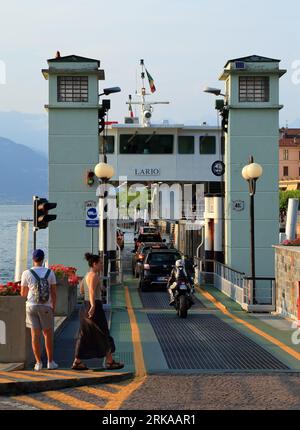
(251, 173)
(104, 173)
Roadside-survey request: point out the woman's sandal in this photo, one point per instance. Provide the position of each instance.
(79, 366)
(114, 365)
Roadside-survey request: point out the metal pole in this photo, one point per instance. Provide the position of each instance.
(252, 244)
(92, 240)
(34, 238)
(35, 221)
(105, 259)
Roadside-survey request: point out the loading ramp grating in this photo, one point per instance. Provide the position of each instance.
(160, 300)
(205, 342)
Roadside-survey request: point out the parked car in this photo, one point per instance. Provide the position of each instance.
(139, 256)
(157, 268)
(148, 238)
(120, 239)
(148, 230)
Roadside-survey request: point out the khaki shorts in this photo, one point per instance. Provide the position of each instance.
(39, 317)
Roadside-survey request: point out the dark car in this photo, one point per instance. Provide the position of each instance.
(139, 256)
(157, 268)
(147, 238)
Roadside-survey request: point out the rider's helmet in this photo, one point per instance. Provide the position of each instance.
(179, 263)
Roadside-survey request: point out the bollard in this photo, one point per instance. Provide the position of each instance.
(21, 249)
(291, 221)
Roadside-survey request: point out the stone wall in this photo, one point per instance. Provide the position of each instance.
(287, 265)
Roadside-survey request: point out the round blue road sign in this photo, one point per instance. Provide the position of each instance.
(92, 213)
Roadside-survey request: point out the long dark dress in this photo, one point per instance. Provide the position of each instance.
(94, 340)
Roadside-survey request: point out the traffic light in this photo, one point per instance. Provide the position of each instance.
(41, 216)
(90, 178)
(102, 111)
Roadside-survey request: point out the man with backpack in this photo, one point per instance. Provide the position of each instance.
(38, 285)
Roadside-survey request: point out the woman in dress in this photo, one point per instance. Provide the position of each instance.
(93, 340)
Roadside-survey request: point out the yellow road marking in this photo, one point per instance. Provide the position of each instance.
(17, 375)
(261, 333)
(70, 400)
(97, 392)
(114, 386)
(37, 403)
(54, 376)
(140, 369)
(119, 399)
(4, 380)
(82, 373)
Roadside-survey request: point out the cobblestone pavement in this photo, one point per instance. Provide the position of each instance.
(218, 392)
(178, 392)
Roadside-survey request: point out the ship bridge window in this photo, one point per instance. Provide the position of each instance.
(109, 142)
(72, 89)
(146, 144)
(207, 145)
(186, 144)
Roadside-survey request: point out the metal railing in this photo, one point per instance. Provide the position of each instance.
(265, 291)
(233, 276)
(237, 285)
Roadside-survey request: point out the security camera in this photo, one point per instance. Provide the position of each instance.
(147, 114)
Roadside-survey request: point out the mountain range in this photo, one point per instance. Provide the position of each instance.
(23, 173)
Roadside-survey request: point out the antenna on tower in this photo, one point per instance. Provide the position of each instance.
(146, 107)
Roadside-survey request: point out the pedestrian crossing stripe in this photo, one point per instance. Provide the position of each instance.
(28, 400)
(14, 376)
(69, 400)
(113, 400)
(97, 392)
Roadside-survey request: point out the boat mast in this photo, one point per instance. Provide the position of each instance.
(146, 107)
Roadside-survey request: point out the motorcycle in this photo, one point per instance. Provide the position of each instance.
(183, 297)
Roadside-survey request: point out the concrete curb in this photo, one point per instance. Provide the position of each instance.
(25, 387)
(9, 367)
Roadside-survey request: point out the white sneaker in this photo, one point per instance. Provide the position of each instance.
(38, 366)
(52, 365)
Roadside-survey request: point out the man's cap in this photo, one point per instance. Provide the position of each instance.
(38, 254)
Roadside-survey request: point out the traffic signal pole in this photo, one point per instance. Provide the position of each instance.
(41, 218)
(35, 199)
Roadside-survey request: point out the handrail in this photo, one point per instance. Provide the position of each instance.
(202, 241)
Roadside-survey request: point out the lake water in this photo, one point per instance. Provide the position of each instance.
(9, 217)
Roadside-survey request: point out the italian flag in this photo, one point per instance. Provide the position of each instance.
(131, 111)
(151, 82)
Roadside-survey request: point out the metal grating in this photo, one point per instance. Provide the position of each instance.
(205, 342)
(160, 300)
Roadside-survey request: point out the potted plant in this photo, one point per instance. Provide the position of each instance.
(295, 242)
(66, 291)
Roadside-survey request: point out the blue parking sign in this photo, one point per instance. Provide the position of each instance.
(92, 218)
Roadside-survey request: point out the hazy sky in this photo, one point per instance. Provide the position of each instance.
(185, 44)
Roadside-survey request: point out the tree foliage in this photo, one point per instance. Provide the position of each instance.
(284, 197)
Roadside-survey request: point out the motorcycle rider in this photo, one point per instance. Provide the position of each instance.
(178, 274)
(190, 269)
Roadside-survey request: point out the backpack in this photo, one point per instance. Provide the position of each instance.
(41, 290)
